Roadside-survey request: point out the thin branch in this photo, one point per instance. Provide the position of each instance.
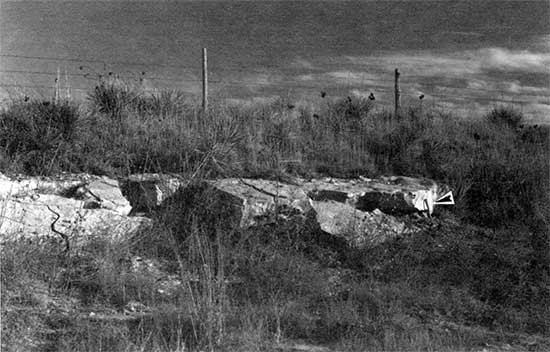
(52, 227)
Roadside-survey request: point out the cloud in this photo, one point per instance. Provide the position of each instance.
(469, 73)
(524, 60)
(305, 78)
(420, 64)
(469, 62)
(464, 81)
(515, 87)
(351, 77)
(302, 63)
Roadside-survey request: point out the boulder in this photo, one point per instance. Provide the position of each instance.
(233, 203)
(108, 194)
(260, 198)
(245, 203)
(360, 229)
(99, 192)
(146, 192)
(392, 195)
(48, 214)
(76, 206)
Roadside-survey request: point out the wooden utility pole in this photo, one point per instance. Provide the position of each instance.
(204, 81)
(397, 94)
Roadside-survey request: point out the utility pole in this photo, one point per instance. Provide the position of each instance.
(397, 94)
(204, 81)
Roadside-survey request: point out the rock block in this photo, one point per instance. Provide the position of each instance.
(360, 229)
(391, 195)
(34, 216)
(77, 206)
(146, 192)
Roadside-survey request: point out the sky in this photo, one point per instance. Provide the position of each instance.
(460, 54)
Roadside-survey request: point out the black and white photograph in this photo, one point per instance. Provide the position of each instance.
(274, 175)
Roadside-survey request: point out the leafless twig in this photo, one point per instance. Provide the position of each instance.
(52, 227)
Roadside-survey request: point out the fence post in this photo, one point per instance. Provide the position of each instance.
(204, 81)
(67, 86)
(397, 94)
(56, 95)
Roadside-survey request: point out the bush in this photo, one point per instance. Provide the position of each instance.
(349, 108)
(505, 116)
(37, 133)
(112, 97)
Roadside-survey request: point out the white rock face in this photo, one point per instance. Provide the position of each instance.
(34, 216)
(77, 206)
(107, 192)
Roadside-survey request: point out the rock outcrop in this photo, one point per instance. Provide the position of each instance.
(360, 211)
(364, 212)
(75, 206)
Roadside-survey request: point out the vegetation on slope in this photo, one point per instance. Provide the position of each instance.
(477, 275)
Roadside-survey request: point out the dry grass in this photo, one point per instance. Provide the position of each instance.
(481, 283)
(283, 296)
